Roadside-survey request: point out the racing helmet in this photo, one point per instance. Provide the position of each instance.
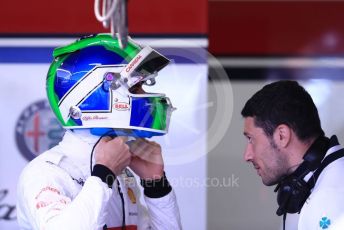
(89, 87)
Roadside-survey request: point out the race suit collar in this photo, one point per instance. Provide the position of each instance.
(77, 146)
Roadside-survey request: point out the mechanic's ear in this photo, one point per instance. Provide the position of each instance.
(282, 135)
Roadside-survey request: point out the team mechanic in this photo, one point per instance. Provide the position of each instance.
(288, 147)
(86, 182)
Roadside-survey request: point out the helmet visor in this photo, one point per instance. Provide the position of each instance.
(151, 112)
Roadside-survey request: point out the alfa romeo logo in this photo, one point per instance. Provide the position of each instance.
(37, 130)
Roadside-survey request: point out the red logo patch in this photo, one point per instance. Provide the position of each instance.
(121, 106)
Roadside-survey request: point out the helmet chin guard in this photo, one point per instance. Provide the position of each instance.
(89, 87)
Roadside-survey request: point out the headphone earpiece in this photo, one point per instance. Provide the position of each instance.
(292, 192)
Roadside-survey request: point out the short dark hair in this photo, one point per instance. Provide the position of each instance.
(284, 102)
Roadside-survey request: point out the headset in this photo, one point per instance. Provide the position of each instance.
(293, 190)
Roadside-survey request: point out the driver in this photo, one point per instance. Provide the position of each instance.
(87, 181)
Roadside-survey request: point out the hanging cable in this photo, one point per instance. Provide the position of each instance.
(94, 146)
(114, 14)
(123, 206)
(113, 134)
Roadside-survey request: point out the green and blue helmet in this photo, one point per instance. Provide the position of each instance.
(89, 82)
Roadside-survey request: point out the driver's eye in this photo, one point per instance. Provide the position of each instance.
(136, 88)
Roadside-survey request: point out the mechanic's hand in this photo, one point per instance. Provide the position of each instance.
(146, 160)
(113, 153)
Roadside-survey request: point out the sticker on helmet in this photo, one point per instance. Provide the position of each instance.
(121, 106)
